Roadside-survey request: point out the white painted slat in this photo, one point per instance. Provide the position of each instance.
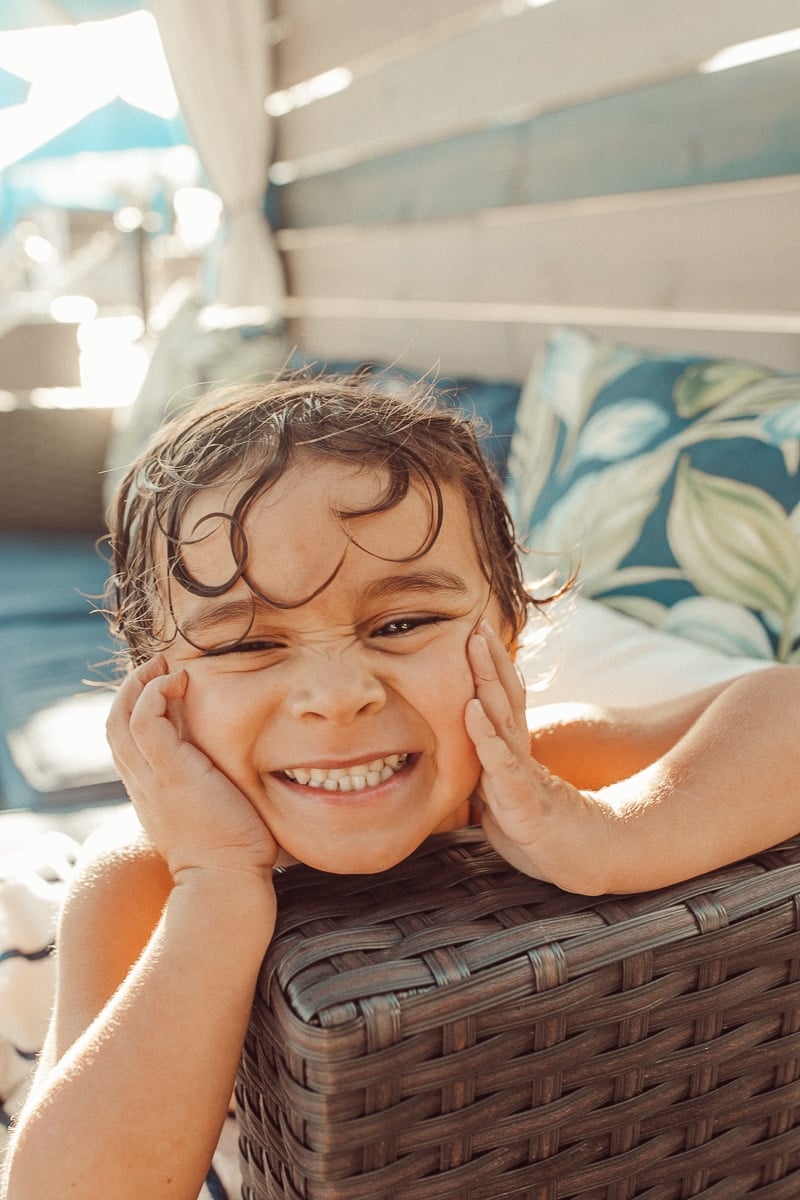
(728, 252)
(540, 60)
(547, 314)
(490, 352)
(317, 35)
(505, 350)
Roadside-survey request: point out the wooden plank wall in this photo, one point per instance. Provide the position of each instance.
(452, 178)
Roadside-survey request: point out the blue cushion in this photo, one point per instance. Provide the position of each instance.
(49, 575)
(672, 481)
(494, 404)
(53, 649)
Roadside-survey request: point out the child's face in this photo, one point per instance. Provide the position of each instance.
(342, 720)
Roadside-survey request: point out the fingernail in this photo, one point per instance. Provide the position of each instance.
(480, 643)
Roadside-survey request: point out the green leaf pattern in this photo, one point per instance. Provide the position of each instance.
(599, 520)
(733, 541)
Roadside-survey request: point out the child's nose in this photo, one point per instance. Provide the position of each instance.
(337, 690)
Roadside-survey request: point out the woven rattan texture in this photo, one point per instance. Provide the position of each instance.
(454, 1030)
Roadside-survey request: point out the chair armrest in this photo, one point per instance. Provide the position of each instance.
(454, 1028)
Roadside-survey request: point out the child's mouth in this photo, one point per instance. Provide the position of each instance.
(348, 779)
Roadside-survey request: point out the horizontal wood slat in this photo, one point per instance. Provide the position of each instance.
(725, 126)
(511, 69)
(729, 251)
(317, 35)
(503, 350)
(484, 178)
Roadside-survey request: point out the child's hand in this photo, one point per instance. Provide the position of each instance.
(192, 813)
(527, 810)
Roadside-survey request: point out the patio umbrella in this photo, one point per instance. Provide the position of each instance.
(115, 151)
(118, 155)
(13, 89)
(115, 127)
(28, 14)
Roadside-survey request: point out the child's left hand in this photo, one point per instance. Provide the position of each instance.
(524, 804)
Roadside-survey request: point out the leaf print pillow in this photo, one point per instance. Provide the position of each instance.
(672, 483)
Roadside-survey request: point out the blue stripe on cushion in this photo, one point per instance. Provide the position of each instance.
(216, 1188)
(26, 1055)
(28, 955)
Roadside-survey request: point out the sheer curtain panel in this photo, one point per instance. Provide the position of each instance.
(220, 63)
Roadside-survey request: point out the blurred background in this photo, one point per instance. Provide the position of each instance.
(104, 212)
(434, 187)
(379, 140)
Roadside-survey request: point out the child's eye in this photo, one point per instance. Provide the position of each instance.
(401, 625)
(252, 647)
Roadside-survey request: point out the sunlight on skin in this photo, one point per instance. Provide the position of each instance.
(370, 673)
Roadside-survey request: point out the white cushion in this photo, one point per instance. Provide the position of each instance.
(594, 654)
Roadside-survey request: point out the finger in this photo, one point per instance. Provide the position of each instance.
(130, 690)
(118, 732)
(153, 724)
(498, 687)
(502, 659)
(515, 789)
(498, 755)
(140, 732)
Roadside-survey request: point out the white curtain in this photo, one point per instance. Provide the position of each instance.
(219, 59)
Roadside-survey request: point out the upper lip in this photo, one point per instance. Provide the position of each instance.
(337, 764)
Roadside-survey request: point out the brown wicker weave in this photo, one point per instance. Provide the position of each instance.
(452, 1029)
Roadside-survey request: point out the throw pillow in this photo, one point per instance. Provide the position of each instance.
(672, 482)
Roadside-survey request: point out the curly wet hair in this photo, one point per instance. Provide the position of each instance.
(251, 436)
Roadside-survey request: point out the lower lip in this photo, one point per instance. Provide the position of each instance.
(352, 799)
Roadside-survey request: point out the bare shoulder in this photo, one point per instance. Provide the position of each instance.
(116, 898)
(113, 905)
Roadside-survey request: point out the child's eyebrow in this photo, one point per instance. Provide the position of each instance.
(434, 580)
(243, 609)
(212, 615)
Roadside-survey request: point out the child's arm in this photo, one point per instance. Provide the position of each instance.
(651, 796)
(157, 963)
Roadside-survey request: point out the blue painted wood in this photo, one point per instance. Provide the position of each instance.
(734, 125)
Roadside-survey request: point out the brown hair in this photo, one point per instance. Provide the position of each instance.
(253, 435)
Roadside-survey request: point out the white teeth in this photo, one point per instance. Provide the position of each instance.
(349, 779)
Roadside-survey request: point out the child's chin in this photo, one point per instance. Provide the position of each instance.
(354, 860)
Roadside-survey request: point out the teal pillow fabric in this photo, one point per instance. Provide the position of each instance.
(671, 482)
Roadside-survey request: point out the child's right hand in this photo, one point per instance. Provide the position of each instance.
(192, 814)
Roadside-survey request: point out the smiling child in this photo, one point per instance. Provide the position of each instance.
(320, 594)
